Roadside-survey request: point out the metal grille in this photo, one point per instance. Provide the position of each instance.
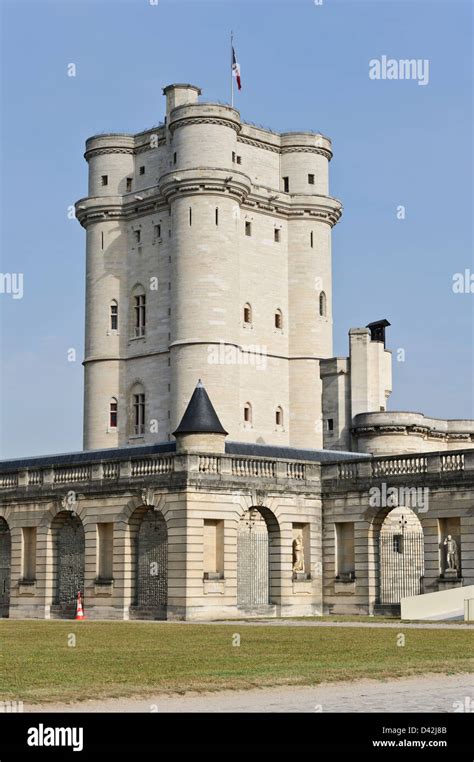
(70, 564)
(152, 562)
(401, 566)
(5, 561)
(252, 562)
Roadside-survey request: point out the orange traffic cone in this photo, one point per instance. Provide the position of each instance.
(79, 610)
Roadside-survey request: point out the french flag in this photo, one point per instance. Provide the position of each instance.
(236, 69)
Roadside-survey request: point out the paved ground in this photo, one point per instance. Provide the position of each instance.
(432, 693)
(315, 623)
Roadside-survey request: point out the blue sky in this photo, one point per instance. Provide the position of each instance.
(304, 66)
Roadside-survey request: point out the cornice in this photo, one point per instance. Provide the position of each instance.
(196, 182)
(258, 144)
(424, 432)
(308, 149)
(186, 121)
(103, 151)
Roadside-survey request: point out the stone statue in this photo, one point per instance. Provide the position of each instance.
(451, 552)
(298, 554)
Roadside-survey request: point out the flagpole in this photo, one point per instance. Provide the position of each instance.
(231, 69)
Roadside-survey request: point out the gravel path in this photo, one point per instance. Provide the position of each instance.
(430, 693)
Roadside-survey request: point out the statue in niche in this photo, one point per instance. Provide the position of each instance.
(451, 553)
(298, 554)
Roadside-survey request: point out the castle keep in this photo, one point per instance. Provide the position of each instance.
(232, 465)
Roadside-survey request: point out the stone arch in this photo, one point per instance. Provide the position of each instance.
(68, 542)
(5, 567)
(396, 545)
(148, 535)
(258, 559)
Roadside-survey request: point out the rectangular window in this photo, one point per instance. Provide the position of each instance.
(217, 216)
(102, 240)
(276, 235)
(213, 555)
(345, 558)
(104, 179)
(175, 158)
(157, 231)
(142, 170)
(28, 553)
(105, 551)
(137, 235)
(233, 157)
(247, 414)
(311, 179)
(311, 239)
(139, 414)
(330, 424)
(239, 160)
(140, 315)
(114, 317)
(190, 216)
(113, 415)
(129, 183)
(286, 184)
(248, 228)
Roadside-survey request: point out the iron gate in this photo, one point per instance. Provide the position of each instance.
(252, 561)
(70, 564)
(401, 567)
(5, 563)
(152, 564)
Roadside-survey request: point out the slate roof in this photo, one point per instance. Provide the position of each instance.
(200, 416)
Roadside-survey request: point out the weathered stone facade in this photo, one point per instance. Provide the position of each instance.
(197, 564)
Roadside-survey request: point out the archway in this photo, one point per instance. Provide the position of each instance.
(69, 559)
(400, 558)
(149, 549)
(258, 559)
(5, 567)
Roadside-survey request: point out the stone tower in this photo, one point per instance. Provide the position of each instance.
(208, 256)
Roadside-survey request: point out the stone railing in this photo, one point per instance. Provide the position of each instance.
(253, 467)
(145, 466)
(452, 462)
(71, 474)
(35, 477)
(209, 464)
(8, 480)
(407, 464)
(347, 470)
(111, 470)
(152, 466)
(296, 471)
(415, 465)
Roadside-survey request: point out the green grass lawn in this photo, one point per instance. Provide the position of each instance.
(127, 658)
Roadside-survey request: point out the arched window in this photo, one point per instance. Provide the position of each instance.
(138, 410)
(113, 410)
(139, 311)
(278, 319)
(114, 315)
(248, 413)
(279, 416)
(322, 304)
(247, 314)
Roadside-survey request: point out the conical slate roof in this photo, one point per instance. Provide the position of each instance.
(200, 416)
